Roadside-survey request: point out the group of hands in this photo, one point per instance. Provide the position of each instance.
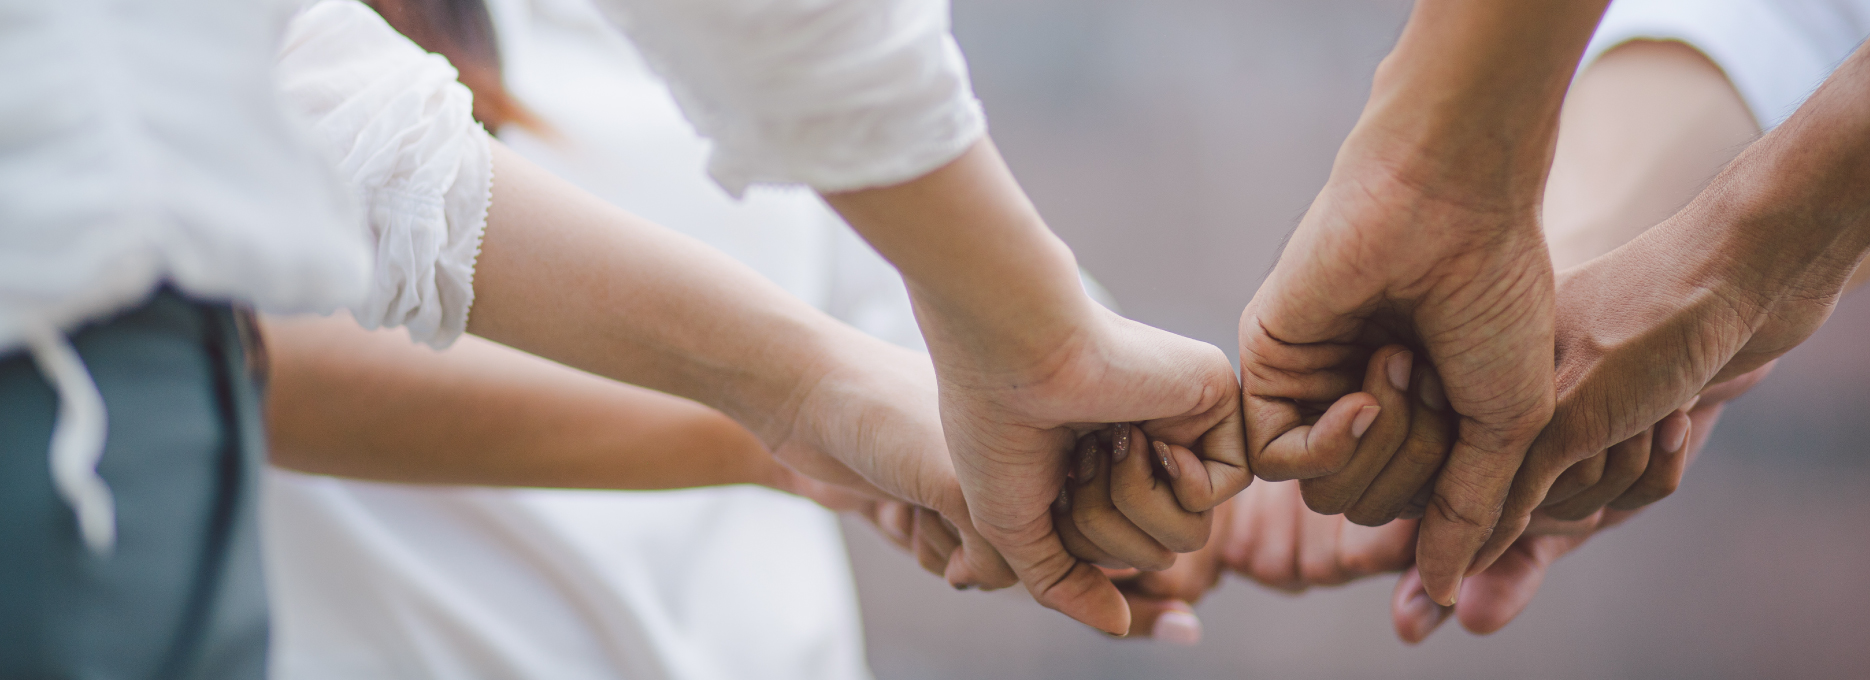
(1418, 389)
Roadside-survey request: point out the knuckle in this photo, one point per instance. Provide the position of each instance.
(1449, 512)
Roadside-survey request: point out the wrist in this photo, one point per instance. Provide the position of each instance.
(1467, 103)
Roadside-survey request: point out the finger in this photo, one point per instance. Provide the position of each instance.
(1403, 488)
(1413, 614)
(1465, 509)
(1624, 464)
(1140, 488)
(1170, 621)
(1319, 372)
(1269, 524)
(1365, 551)
(976, 563)
(1580, 476)
(1075, 541)
(1297, 451)
(1418, 506)
(1668, 461)
(895, 520)
(1543, 524)
(1387, 379)
(1222, 468)
(1057, 580)
(934, 543)
(1318, 548)
(1097, 516)
(1493, 598)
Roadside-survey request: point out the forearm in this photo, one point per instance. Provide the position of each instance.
(973, 249)
(566, 276)
(350, 402)
(1470, 96)
(1790, 217)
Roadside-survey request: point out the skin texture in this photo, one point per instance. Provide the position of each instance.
(1023, 376)
(1426, 235)
(351, 402)
(566, 276)
(1644, 129)
(1747, 271)
(372, 405)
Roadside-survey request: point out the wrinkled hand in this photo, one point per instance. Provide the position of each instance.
(1382, 259)
(1012, 424)
(1493, 598)
(1641, 331)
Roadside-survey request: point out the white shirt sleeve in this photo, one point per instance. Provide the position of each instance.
(1775, 52)
(400, 129)
(838, 95)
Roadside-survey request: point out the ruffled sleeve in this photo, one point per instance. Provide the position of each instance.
(834, 94)
(398, 127)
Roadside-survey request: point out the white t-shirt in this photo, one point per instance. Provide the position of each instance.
(1775, 52)
(380, 581)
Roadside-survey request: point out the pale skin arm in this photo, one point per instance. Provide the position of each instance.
(364, 404)
(566, 276)
(373, 405)
(1426, 234)
(1027, 363)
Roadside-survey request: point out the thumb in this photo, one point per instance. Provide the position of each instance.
(1062, 582)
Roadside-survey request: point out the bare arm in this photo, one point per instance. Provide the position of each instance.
(569, 277)
(1427, 234)
(1027, 363)
(370, 404)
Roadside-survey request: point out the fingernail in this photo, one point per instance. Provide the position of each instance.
(1119, 442)
(960, 586)
(1064, 500)
(1455, 595)
(1177, 628)
(1674, 433)
(1166, 461)
(1430, 392)
(1425, 615)
(1399, 366)
(1365, 416)
(1087, 464)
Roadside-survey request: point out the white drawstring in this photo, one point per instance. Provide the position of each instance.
(77, 437)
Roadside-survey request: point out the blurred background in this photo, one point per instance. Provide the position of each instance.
(1174, 144)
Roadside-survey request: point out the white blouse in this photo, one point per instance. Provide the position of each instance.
(837, 95)
(399, 129)
(1775, 52)
(142, 141)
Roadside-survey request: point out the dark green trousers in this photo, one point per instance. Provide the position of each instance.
(181, 595)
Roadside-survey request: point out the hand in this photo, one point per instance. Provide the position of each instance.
(1382, 259)
(867, 437)
(1028, 362)
(1268, 535)
(1643, 330)
(1116, 492)
(1012, 423)
(1494, 597)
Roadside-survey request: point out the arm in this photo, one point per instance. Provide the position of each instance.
(356, 403)
(1427, 233)
(1744, 273)
(564, 275)
(1028, 363)
(895, 141)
